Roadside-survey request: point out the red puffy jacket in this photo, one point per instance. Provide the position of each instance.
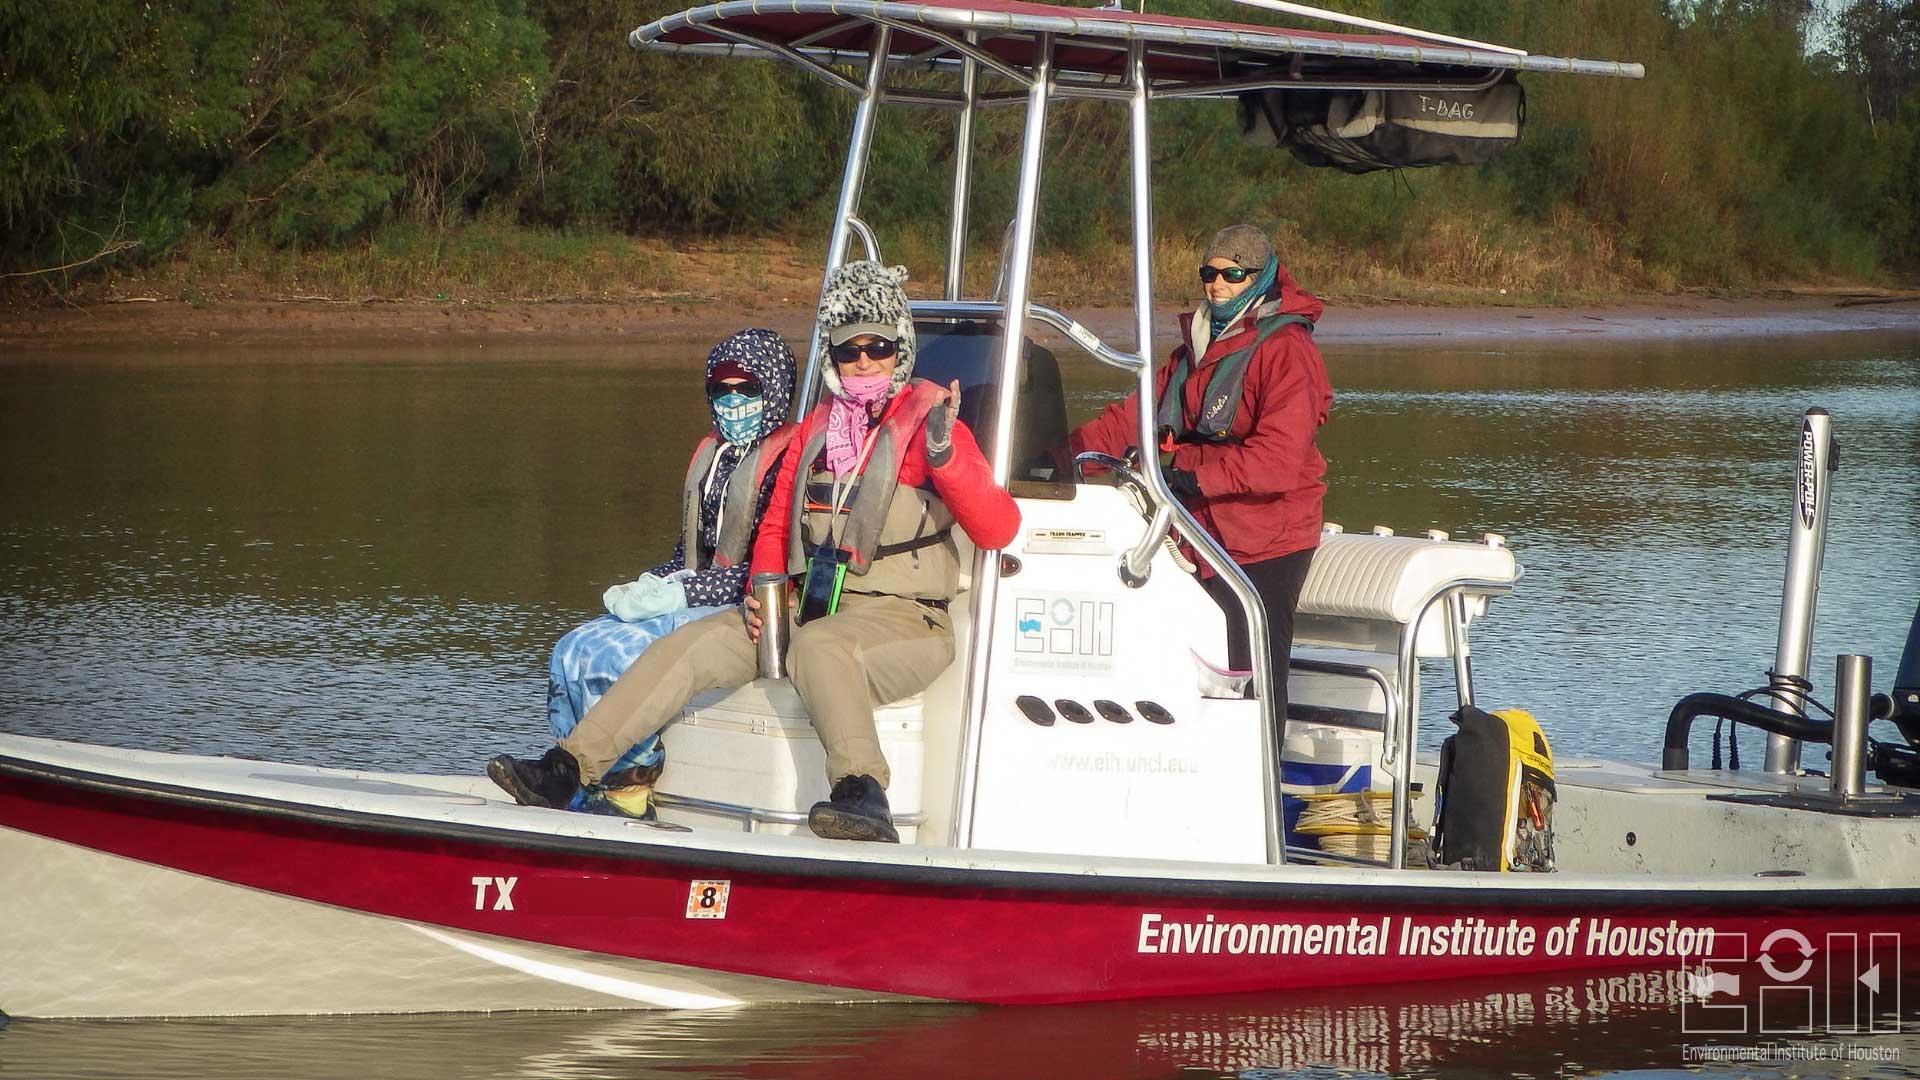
(965, 483)
(1260, 491)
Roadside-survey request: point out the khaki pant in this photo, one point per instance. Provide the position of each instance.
(874, 650)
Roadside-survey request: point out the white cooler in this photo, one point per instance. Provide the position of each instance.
(755, 747)
(1322, 759)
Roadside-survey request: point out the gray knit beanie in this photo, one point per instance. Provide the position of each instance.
(1244, 244)
(865, 298)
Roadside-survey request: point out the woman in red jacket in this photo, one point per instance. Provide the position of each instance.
(865, 504)
(1236, 408)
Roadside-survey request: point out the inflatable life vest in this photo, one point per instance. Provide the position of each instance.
(858, 535)
(1496, 794)
(739, 506)
(1222, 399)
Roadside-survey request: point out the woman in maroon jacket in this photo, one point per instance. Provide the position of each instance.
(1237, 407)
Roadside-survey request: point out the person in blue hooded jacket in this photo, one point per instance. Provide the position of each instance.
(749, 384)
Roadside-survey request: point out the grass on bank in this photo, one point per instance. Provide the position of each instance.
(1463, 257)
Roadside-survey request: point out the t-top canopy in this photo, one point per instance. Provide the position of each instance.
(1184, 57)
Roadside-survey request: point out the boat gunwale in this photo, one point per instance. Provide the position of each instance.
(1652, 892)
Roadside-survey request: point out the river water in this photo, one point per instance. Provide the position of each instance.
(361, 558)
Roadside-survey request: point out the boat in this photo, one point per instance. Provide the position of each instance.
(1084, 819)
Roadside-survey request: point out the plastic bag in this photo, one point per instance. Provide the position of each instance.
(647, 596)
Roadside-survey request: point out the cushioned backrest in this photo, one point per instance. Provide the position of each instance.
(1387, 577)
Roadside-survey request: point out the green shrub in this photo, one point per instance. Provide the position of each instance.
(1744, 156)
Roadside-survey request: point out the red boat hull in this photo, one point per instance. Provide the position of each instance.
(948, 932)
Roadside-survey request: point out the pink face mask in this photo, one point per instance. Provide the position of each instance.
(848, 419)
(865, 389)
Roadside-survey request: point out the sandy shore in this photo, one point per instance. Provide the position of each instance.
(167, 324)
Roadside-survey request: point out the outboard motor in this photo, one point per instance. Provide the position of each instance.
(1894, 764)
(1902, 705)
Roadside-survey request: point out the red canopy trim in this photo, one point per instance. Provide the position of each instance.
(1089, 42)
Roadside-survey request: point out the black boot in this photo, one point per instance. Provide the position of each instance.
(552, 781)
(857, 810)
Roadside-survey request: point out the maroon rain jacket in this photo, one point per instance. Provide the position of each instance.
(1261, 489)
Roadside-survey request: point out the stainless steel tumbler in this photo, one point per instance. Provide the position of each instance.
(770, 589)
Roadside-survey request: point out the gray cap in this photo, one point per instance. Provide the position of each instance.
(1244, 244)
(840, 335)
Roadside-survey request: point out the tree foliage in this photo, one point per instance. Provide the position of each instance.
(1770, 139)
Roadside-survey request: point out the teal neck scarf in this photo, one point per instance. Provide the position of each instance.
(1222, 315)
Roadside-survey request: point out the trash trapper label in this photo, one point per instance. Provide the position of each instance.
(1063, 632)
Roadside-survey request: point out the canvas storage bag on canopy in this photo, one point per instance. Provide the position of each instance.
(1362, 131)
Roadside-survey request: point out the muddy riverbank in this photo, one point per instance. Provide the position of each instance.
(179, 325)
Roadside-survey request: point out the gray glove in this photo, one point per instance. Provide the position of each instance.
(940, 428)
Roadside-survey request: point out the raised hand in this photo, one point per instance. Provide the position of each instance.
(940, 426)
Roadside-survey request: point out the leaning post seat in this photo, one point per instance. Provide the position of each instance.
(1371, 608)
(1379, 603)
(749, 759)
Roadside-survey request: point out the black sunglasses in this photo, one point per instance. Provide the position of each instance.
(878, 348)
(718, 390)
(1234, 274)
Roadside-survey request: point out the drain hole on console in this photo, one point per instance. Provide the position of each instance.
(1074, 711)
(1035, 709)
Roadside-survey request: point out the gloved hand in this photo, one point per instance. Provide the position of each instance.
(1183, 483)
(940, 427)
(646, 597)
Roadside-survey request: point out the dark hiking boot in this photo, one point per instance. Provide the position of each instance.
(552, 781)
(857, 810)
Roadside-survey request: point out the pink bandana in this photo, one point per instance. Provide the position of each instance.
(849, 417)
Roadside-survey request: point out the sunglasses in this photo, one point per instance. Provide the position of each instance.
(718, 390)
(1234, 274)
(878, 349)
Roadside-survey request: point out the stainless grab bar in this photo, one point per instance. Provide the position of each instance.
(1081, 336)
(1138, 560)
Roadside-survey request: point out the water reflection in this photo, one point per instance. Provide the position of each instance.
(1608, 1024)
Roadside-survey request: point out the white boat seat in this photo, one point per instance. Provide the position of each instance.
(1361, 595)
(1363, 591)
(777, 698)
(1387, 578)
(754, 748)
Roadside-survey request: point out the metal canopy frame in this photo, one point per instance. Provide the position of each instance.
(1042, 53)
(940, 33)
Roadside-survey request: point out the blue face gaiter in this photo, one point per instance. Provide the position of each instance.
(737, 417)
(1223, 314)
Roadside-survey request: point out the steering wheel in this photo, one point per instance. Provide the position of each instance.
(1127, 468)
(1135, 563)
